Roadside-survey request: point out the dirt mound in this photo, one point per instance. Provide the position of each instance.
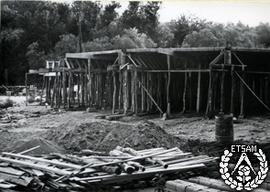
(106, 135)
(45, 147)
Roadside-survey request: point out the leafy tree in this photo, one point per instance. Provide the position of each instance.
(68, 44)
(263, 34)
(202, 38)
(142, 17)
(108, 15)
(132, 39)
(98, 44)
(183, 26)
(35, 57)
(85, 14)
(164, 36)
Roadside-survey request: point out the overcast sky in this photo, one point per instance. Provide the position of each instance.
(250, 12)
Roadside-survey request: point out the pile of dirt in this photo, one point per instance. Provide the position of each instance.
(106, 135)
(45, 146)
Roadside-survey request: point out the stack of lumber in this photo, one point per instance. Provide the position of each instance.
(89, 169)
(196, 184)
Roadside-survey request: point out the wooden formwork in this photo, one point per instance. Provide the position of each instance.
(169, 80)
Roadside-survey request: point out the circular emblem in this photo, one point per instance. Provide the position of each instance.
(243, 176)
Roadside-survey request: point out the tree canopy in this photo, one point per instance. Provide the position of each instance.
(33, 31)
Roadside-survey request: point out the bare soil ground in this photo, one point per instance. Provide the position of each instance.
(75, 130)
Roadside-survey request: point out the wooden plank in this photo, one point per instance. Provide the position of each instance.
(178, 71)
(51, 162)
(36, 166)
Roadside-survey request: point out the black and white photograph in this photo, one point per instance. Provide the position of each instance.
(134, 96)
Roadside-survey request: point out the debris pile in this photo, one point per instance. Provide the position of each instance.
(94, 170)
(106, 135)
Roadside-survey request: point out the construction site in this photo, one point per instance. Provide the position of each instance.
(153, 119)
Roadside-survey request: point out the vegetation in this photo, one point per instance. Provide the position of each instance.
(33, 31)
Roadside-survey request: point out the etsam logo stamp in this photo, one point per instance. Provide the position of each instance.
(250, 169)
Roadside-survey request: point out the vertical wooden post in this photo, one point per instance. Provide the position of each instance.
(26, 88)
(148, 88)
(198, 90)
(60, 90)
(64, 89)
(82, 88)
(120, 92)
(261, 87)
(114, 91)
(190, 91)
(46, 88)
(135, 91)
(227, 60)
(78, 88)
(69, 89)
(232, 90)
(142, 92)
(210, 94)
(242, 95)
(184, 92)
(89, 81)
(122, 59)
(168, 86)
(266, 90)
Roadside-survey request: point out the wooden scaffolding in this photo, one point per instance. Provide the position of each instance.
(164, 80)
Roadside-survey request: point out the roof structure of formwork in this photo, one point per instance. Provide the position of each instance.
(256, 59)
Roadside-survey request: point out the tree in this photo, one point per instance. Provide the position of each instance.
(98, 44)
(35, 57)
(202, 38)
(263, 34)
(142, 17)
(132, 39)
(108, 15)
(85, 14)
(183, 26)
(67, 44)
(164, 36)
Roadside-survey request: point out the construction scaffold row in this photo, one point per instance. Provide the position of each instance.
(161, 80)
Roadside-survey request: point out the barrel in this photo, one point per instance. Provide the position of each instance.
(224, 129)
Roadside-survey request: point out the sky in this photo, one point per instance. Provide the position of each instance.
(250, 12)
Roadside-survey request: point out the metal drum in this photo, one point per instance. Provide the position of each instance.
(224, 129)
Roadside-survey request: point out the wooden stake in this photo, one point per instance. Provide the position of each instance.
(209, 103)
(168, 86)
(64, 89)
(184, 92)
(142, 93)
(89, 82)
(232, 90)
(114, 92)
(135, 92)
(198, 91)
(242, 97)
(266, 90)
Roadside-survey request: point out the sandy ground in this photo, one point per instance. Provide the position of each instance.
(35, 121)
